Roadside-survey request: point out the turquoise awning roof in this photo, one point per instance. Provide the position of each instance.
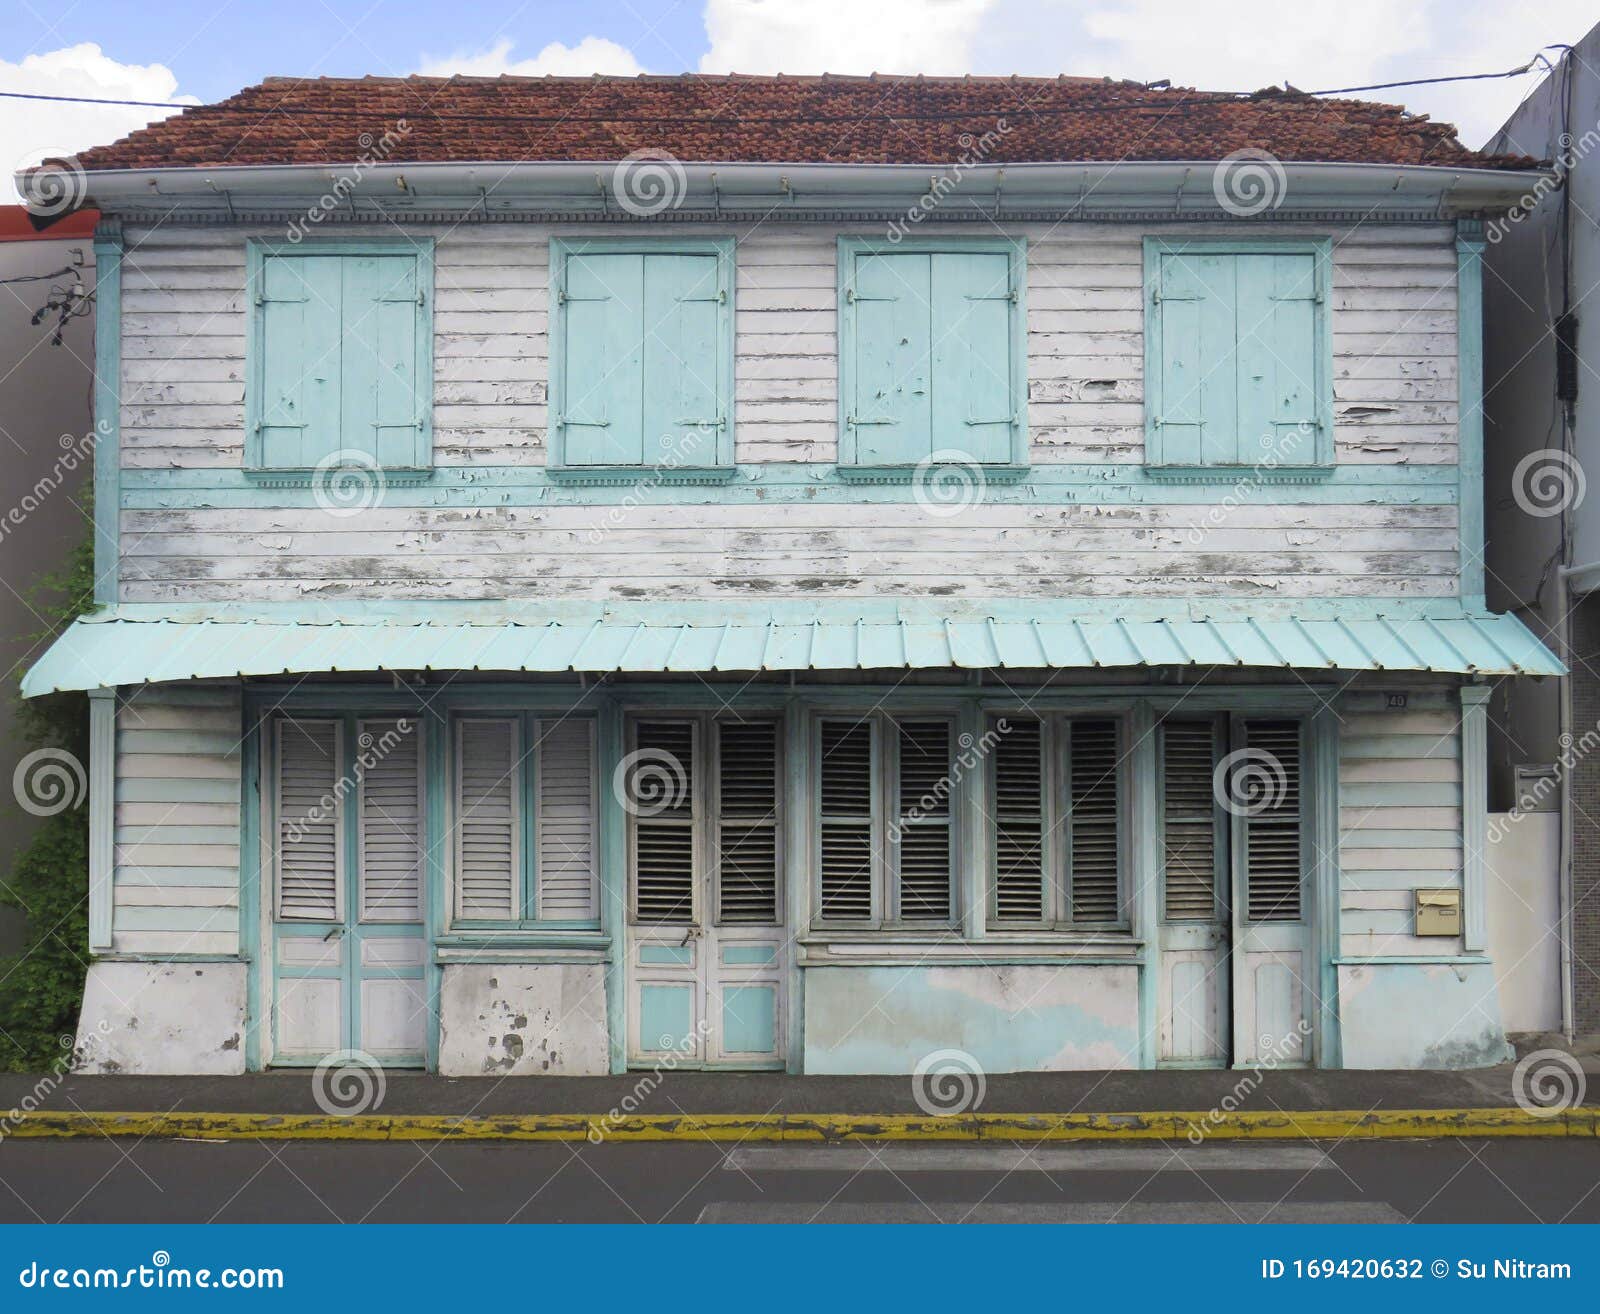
(145, 643)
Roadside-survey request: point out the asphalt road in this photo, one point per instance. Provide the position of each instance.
(184, 1181)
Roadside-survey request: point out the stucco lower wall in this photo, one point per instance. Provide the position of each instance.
(1422, 1015)
(1009, 1019)
(523, 1020)
(163, 1019)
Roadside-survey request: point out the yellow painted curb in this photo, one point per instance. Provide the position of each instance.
(823, 1127)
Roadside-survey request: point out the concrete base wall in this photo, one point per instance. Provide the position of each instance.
(523, 1020)
(1009, 1019)
(1524, 907)
(1426, 1015)
(161, 1019)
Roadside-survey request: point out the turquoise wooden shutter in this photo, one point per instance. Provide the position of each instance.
(973, 409)
(1278, 383)
(299, 308)
(380, 403)
(684, 403)
(889, 417)
(602, 397)
(1197, 410)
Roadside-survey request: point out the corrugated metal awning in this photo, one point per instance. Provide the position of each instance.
(140, 644)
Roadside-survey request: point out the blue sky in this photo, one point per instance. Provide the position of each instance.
(191, 51)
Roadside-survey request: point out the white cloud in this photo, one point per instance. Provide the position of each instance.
(842, 36)
(591, 55)
(33, 129)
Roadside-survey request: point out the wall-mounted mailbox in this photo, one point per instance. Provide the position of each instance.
(1438, 912)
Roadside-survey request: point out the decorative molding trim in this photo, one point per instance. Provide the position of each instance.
(1469, 429)
(107, 412)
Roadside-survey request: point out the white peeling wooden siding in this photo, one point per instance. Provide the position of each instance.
(176, 881)
(1399, 818)
(1395, 403)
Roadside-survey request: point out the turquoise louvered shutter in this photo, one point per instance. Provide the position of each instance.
(972, 305)
(889, 416)
(602, 396)
(1277, 301)
(684, 392)
(1196, 411)
(342, 361)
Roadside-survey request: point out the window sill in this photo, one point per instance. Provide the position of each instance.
(409, 477)
(906, 474)
(1235, 474)
(627, 475)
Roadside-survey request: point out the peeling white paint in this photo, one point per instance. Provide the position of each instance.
(523, 1020)
(163, 1019)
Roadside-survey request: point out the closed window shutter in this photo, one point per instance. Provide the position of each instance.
(889, 416)
(683, 359)
(568, 877)
(1277, 365)
(602, 360)
(1197, 415)
(973, 410)
(924, 820)
(747, 822)
(1189, 820)
(310, 864)
(663, 828)
(487, 821)
(1019, 811)
(846, 819)
(1273, 835)
(1094, 776)
(387, 759)
(299, 309)
(381, 397)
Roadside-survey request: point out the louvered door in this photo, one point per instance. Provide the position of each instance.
(348, 949)
(1275, 970)
(705, 937)
(1194, 990)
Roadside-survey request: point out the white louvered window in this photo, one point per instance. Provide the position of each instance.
(310, 858)
(389, 776)
(748, 834)
(1274, 830)
(524, 815)
(1191, 819)
(886, 791)
(1058, 798)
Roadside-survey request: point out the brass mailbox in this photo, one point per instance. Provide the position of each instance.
(1438, 912)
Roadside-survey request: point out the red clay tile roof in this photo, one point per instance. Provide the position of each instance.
(823, 120)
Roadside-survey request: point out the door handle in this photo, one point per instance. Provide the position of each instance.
(688, 935)
(333, 934)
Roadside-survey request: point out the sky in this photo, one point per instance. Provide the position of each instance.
(173, 50)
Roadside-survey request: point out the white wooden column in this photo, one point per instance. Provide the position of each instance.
(102, 814)
(1474, 815)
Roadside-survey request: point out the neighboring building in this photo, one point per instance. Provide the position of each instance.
(791, 572)
(45, 425)
(1542, 415)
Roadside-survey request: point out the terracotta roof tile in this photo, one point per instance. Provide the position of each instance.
(827, 119)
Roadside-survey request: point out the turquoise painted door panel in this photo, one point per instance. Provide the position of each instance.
(972, 409)
(891, 412)
(339, 354)
(682, 399)
(1277, 368)
(666, 1019)
(1198, 408)
(750, 1020)
(603, 360)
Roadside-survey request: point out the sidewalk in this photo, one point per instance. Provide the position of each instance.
(775, 1106)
